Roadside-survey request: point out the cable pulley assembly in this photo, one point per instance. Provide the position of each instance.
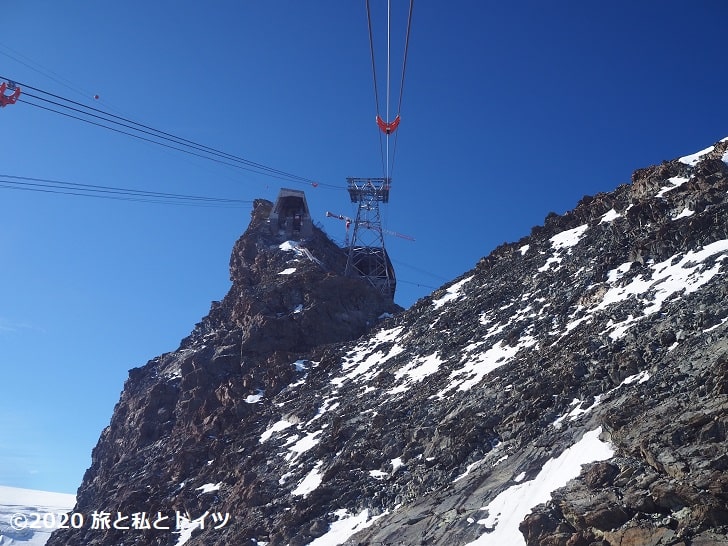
(8, 99)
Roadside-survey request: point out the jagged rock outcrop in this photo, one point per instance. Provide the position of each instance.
(572, 389)
(186, 408)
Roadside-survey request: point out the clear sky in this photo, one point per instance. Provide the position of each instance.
(510, 110)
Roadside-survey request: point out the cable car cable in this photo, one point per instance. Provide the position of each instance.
(201, 149)
(183, 150)
(255, 167)
(110, 192)
(386, 126)
(151, 131)
(6, 185)
(116, 189)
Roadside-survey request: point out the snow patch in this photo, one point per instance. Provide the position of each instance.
(675, 181)
(209, 487)
(303, 445)
(576, 403)
(360, 364)
(693, 159)
(716, 326)
(275, 427)
(327, 406)
(549, 261)
(568, 238)
(685, 213)
(469, 468)
(288, 271)
(680, 273)
(610, 216)
(310, 482)
(254, 398)
(347, 525)
(290, 246)
(636, 378)
(476, 367)
(451, 293)
(416, 371)
(509, 508)
(396, 463)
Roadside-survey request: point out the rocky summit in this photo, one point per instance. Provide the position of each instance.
(570, 390)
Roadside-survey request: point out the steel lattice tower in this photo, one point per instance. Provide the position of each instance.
(367, 256)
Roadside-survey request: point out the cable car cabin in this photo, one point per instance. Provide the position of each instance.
(373, 264)
(290, 217)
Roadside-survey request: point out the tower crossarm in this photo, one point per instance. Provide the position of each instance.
(369, 189)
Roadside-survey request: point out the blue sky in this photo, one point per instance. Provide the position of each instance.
(510, 111)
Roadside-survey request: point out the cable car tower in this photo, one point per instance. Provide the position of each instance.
(367, 256)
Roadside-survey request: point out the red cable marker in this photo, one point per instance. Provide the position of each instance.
(8, 99)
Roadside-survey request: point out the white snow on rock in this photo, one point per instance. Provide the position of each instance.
(638, 378)
(303, 445)
(416, 371)
(668, 277)
(361, 364)
(716, 326)
(568, 238)
(290, 246)
(577, 411)
(396, 463)
(676, 276)
(692, 159)
(563, 242)
(685, 212)
(509, 508)
(610, 216)
(477, 366)
(328, 405)
(551, 260)
(675, 182)
(254, 398)
(209, 487)
(346, 526)
(309, 483)
(288, 271)
(451, 293)
(275, 427)
(469, 468)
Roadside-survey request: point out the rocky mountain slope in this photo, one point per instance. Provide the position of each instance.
(570, 390)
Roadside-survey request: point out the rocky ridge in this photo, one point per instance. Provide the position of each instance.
(570, 390)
